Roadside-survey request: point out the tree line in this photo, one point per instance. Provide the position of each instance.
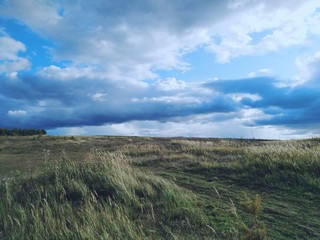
(21, 132)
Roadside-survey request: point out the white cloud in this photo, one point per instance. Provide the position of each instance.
(276, 28)
(235, 4)
(34, 13)
(17, 113)
(10, 47)
(199, 126)
(68, 73)
(75, 131)
(100, 97)
(122, 129)
(250, 115)
(129, 41)
(240, 96)
(10, 62)
(261, 72)
(179, 98)
(170, 84)
(308, 68)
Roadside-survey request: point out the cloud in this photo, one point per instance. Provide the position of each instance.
(9, 48)
(106, 58)
(10, 62)
(127, 40)
(67, 73)
(100, 97)
(34, 13)
(261, 72)
(53, 103)
(286, 106)
(170, 84)
(131, 41)
(195, 127)
(17, 113)
(169, 99)
(280, 25)
(308, 68)
(252, 101)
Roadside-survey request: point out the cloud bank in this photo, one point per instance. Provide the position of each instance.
(107, 59)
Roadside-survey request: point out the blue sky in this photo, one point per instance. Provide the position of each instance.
(233, 68)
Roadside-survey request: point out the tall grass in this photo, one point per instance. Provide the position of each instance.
(291, 165)
(108, 195)
(286, 165)
(102, 198)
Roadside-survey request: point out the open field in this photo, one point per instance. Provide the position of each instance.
(158, 188)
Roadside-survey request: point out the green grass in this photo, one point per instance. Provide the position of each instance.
(103, 197)
(158, 188)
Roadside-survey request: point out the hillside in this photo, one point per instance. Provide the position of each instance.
(158, 188)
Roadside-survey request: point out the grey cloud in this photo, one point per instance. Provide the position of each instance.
(287, 106)
(50, 103)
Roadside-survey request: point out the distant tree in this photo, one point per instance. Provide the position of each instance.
(44, 132)
(21, 132)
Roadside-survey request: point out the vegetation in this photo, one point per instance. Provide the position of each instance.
(104, 197)
(21, 132)
(157, 188)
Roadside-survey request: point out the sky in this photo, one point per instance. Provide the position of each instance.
(205, 68)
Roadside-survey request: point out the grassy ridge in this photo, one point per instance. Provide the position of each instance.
(153, 188)
(102, 198)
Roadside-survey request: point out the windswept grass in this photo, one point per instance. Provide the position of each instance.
(285, 174)
(290, 165)
(102, 198)
(159, 188)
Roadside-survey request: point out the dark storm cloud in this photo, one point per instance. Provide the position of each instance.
(37, 102)
(287, 106)
(48, 103)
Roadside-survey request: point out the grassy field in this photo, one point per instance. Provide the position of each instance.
(158, 188)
